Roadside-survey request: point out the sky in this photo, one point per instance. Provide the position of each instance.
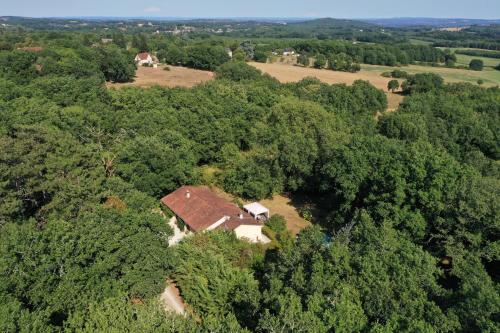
(485, 9)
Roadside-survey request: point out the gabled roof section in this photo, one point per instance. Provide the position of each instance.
(143, 55)
(200, 208)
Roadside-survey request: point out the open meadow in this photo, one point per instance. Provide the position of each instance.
(290, 73)
(464, 60)
(175, 77)
(490, 76)
(373, 73)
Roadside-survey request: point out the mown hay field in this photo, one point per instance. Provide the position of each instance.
(175, 77)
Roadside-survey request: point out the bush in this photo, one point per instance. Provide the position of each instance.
(399, 74)
(422, 82)
(306, 213)
(277, 223)
(320, 61)
(260, 56)
(237, 71)
(450, 63)
(393, 85)
(303, 60)
(476, 65)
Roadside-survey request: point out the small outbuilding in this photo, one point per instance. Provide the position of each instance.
(258, 211)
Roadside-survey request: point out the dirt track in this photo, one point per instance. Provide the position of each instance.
(172, 300)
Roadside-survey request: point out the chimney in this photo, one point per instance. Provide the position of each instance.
(240, 215)
(188, 194)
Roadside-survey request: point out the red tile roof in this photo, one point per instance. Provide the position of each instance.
(203, 208)
(32, 48)
(143, 55)
(235, 222)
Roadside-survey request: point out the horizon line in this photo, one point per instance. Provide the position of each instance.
(248, 17)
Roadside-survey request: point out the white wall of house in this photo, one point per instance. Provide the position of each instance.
(178, 234)
(140, 62)
(252, 233)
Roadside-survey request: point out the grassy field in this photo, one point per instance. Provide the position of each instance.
(175, 77)
(490, 76)
(464, 60)
(291, 73)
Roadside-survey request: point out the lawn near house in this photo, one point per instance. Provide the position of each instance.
(279, 204)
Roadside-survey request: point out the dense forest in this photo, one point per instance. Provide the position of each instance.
(408, 236)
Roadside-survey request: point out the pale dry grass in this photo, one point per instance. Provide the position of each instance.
(175, 77)
(278, 204)
(283, 205)
(289, 73)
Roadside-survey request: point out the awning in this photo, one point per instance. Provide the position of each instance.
(256, 209)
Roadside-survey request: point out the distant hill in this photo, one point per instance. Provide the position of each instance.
(332, 22)
(425, 21)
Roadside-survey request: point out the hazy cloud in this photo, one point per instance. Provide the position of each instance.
(152, 9)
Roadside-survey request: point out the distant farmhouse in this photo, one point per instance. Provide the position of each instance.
(143, 58)
(34, 49)
(200, 209)
(288, 52)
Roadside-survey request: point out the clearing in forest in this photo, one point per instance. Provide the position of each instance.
(283, 205)
(290, 73)
(490, 76)
(278, 204)
(175, 77)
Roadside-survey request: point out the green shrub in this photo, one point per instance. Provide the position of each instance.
(306, 213)
(277, 223)
(476, 65)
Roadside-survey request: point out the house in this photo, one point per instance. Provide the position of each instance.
(229, 52)
(143, 58)
(288, 52)
(200, 209)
